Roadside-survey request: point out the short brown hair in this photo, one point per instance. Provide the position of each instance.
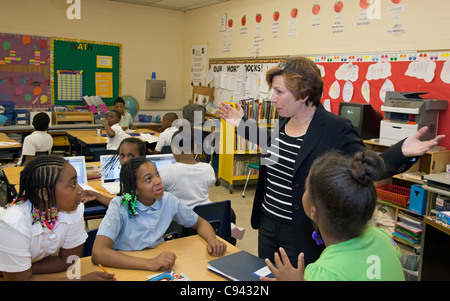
(302, 77)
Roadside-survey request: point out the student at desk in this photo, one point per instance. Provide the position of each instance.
(165, 138)
(113, 130)
(340, 198)
(38, 141)
(129, 148)
(139, 219)
(46, 219)
(126, 122)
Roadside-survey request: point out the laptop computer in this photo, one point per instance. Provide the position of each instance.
(161, 159)
(111, 177)
(79, 164)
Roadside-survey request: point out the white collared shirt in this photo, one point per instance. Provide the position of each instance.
(38, 141)
(114, 142)
(23, 243)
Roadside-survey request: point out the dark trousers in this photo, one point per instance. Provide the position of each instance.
(272, 235)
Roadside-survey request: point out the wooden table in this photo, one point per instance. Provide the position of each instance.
(192, 260)
(8, 145)
(83, 140)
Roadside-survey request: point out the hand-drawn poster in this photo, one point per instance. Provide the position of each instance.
(25, 70)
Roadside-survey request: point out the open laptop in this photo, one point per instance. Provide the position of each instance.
(161, 159)
(79, 164)
(110, 178)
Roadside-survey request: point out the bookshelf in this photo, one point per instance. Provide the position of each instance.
(236, 152)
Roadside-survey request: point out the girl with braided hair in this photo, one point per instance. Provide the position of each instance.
(139, 217)
(45, 219)
(340, 199)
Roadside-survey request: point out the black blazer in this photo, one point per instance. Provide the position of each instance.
(326, 131)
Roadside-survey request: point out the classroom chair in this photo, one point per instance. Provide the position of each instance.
(218, 214)
(96, 154)
(89, 243)
(166, 149)
(251, 166)
(36, 154)
(174, 231)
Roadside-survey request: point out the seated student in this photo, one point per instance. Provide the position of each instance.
(188, 179)
(139, 218)
(45, 224)
(165, 138)
(340, 198)
(129, 148)
(126, 122)
(113, 130)
(39, 140)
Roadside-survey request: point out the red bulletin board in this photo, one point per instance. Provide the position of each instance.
(437, 88)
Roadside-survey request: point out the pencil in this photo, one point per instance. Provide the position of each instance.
(103, 269)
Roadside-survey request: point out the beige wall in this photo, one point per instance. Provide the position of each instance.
(159, 40)
(425, 24)
(151, 38)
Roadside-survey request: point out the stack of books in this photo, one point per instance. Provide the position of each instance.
(408, 230)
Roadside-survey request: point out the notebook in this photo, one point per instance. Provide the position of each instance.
(240, 266)
(161, 159)
(110, 178)
(79, 164)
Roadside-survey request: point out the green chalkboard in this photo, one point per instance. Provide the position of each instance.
(79, 60)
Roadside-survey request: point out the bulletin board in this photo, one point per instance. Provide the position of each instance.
(82, 68)
(361, 78)
(25, 70)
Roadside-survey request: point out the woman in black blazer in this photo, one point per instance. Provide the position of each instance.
(304, 132)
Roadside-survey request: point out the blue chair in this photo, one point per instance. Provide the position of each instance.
(251, 166)
(89, 243)
(218, 214)
(96, 154)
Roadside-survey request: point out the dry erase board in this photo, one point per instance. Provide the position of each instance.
(25, 70)
(85, 68)
(351, 78)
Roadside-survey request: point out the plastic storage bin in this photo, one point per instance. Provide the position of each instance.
(145, 118)
(394, 194)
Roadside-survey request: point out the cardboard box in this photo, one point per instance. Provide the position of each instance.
(444, 216)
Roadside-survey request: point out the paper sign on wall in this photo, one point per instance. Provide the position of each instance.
(422, 69)
(104, 84)
(104, 61)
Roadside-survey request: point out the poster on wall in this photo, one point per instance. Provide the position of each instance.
(70, 85)
(199, 64)
(25, 70)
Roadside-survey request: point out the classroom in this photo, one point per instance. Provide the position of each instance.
(384, 65)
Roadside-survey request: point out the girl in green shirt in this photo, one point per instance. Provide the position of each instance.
(340, 199)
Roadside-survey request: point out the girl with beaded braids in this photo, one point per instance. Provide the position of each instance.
(139, 217)
(46, 219)
(340, 198)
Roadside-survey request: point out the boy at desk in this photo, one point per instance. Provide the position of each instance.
(165, 138)
(126, 122)
(39, 141)
(113, 130)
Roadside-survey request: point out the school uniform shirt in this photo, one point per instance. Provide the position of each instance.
(37, 141)
(190, 183)
(23, 243)
(114, 142)
(126, 120)
(371, 256)
(165, 138)
(145, 230)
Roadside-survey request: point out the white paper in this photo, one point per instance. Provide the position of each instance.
(422, 69)
(335, 90)
(262, 272)
(387, 86)
(365, 91)
(347, 92)
(347, 71)
(445, 73)
(378, 71)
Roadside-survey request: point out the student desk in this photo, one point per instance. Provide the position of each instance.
(9, 149)
(192, 260)
(84, 140)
